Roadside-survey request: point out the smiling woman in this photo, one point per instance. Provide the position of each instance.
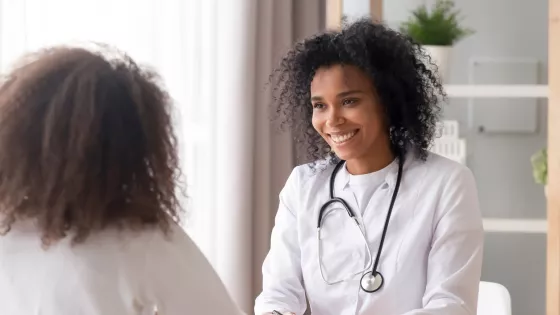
(380, 225)
(383, 65)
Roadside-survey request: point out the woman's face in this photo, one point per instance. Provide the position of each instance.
(347, 113)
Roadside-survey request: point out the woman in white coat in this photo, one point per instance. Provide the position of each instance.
(88, 206)
(406, 236)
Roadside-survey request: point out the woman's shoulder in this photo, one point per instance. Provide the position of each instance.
(442, 166)
(171, 239)
(173, 254)
(312, 170)
(447, 172)
(150, 245)
(178, 265)
(304, 175)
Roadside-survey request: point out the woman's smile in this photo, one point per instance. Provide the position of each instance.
(342, 137)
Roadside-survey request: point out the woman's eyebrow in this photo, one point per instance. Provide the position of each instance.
(339, 95)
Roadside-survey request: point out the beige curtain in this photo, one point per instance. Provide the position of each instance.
(253, 158)
(283, 23)
(280, 24)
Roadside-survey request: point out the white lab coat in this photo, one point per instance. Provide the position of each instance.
(431, 259)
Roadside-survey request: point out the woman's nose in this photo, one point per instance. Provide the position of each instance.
(334, 119)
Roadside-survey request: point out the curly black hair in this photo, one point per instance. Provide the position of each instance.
(87, 143)
(409, 91)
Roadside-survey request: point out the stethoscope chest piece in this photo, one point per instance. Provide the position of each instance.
(371, 282)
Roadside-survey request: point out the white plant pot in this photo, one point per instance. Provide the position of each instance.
(441, 58)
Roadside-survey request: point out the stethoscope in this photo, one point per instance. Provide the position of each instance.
(371, 281)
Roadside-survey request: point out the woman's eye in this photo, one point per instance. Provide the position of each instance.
(318, 106)
(349, 101)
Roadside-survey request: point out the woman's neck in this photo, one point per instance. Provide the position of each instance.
(370, 163)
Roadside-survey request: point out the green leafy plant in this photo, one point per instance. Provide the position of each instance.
(440, 27)
(539, 161)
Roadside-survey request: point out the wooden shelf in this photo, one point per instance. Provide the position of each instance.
(496, 91)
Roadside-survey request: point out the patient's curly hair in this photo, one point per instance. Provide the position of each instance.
(86, 143)
(409, 91)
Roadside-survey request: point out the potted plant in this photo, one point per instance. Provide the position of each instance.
(437, 30)
(539, 161)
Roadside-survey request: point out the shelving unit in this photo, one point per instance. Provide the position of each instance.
(504, 91)
(499, 225)
(496, 91)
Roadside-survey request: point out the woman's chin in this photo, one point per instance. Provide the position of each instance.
(345, 154)
(346, 149)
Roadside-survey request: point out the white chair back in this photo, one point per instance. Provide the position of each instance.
(493, 299)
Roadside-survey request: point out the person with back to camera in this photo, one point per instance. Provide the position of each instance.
(380, 225)
(88, 206)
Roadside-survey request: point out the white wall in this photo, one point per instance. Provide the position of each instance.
(354, 8)
(500, 161)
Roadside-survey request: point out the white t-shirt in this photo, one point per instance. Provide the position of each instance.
(364, 186)
(112, 273)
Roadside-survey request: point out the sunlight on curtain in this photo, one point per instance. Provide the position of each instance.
(175, 37)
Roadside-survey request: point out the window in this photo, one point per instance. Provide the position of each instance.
(173, 36)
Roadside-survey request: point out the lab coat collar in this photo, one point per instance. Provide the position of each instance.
(343, 177)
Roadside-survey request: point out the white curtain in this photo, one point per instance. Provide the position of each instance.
(175, 37)
(215, 57)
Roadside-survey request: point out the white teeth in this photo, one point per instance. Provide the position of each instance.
(342, 138)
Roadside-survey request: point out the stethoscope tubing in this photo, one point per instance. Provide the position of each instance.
(345, 205)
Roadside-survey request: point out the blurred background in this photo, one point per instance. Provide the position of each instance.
(215, 56)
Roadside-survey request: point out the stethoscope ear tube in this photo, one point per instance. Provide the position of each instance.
(328, 203)
(332, 198)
